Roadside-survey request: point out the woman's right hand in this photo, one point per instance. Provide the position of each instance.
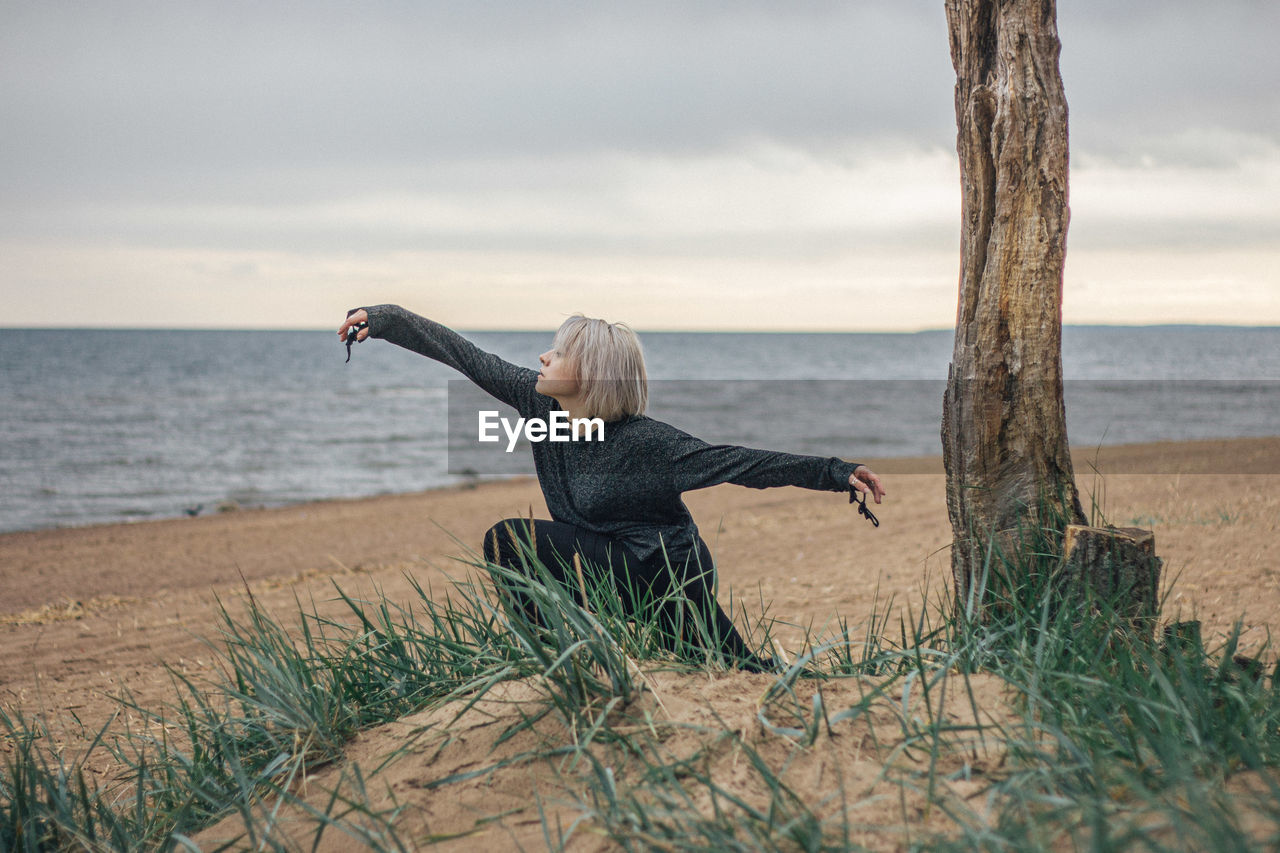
(865, 480)
(355, 319)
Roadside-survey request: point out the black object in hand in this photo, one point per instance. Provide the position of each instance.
(863, 509)
(352, 332)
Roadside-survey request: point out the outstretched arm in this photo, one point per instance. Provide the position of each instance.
(507, 382)
(697, 465)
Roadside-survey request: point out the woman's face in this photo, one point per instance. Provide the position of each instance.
(558, 378)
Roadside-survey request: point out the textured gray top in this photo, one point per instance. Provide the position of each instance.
(627, 486)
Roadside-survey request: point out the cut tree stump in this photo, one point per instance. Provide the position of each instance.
(1113, 565)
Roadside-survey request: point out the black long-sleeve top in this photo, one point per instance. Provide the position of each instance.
(629, 484)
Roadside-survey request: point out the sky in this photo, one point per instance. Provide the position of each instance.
(740, 165)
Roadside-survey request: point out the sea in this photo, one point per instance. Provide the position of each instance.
(102, 426)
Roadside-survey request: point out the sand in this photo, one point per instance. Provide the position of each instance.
(88, 612)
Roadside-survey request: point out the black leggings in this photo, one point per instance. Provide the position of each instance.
(637, 581)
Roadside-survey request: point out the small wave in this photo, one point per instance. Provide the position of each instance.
(111, 462)
(396, 438)
(413, 391)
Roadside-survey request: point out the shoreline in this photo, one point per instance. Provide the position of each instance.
(131, 559)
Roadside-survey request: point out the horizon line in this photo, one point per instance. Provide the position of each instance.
(667, 331)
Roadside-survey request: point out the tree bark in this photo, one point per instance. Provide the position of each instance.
(1004, 430)
(1113, 567)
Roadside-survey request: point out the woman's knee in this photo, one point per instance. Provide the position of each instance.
(699, 576)
(501, 541)
(493, 541)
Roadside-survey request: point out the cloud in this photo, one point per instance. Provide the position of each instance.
(675, 144)
(255, 102)
(1198, 191)
(1169, 79)
(210, 100)
(756, 200)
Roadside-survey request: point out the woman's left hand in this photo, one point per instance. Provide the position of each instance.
(355, 318)
(865, 480)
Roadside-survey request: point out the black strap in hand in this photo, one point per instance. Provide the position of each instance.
(352, 332)
(863, 509)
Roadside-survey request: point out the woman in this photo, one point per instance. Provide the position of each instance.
(614, 502)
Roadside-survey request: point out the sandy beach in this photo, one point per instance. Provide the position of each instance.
(85, 610)
(88, 612)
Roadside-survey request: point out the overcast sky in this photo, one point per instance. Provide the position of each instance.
(706, 165)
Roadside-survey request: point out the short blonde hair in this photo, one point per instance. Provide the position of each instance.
(609, 364)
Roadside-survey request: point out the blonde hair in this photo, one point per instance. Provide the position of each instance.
(610, 366)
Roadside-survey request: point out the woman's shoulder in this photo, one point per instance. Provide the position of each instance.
(637, 423)
(644, 429)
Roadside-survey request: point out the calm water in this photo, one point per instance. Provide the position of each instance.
(109, 425)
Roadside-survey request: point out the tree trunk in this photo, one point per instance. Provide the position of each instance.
(1004, 430)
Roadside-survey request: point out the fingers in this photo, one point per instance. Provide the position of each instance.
(877, 490)
(868, 482)
(355, 319)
